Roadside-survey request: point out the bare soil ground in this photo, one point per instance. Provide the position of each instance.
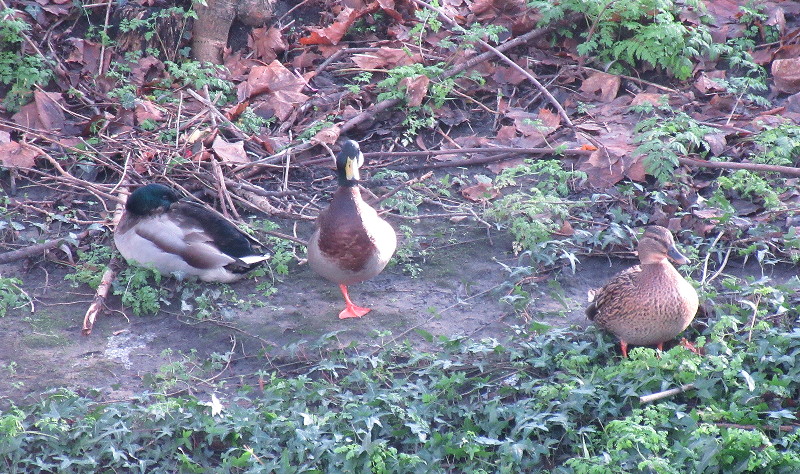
(457, 293)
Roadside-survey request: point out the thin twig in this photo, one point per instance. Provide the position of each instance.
(401, 186)
(708, 256)
(666, 393)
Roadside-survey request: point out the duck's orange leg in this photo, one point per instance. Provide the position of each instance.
(351, 310)
(685, 343)
(624, 346)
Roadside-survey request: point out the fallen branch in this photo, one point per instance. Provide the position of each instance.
(108, 275)
(787, 170)
(216, 112)
(666, 393)
(99, 297)
(33, 250)
(481, 160)
(486, 150)
(784, 428)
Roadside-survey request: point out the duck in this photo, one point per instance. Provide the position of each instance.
(649, 303)
(183, 238)
(351, 243)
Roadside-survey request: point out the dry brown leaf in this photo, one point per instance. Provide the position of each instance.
(533, 127)
(327, 135)
(525, 122)
(717, 142)
(498, 166)
(566, 229)
(306, 60)
(18, 155)
(786, 73)
(49, 105)
(506, 135)
(508, 75)
(44, 113)
(267, 43)
(416, 89)
(87, 53)
(549, 120)
(333, 34)
(235, 111)
(480, 192)
(451, 115)
(788, 51)
(282, 86)
(706, 83)
(383, 58)
(388, 7)
(229, 152)
(146, 110)
(776, 18)
(614, 162)
(146, 70)
(602, 85)
(648, 98)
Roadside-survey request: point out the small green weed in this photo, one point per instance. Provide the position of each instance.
(749, 185)
(410, 253)
(91, 265)
(251, 123)
(626, 34)
(140, 289)
(199, 76)
(11, 295)
(553, 399)
(23, 72)
(533, 211)
(664, 137)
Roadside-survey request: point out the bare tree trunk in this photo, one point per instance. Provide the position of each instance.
(210, 31)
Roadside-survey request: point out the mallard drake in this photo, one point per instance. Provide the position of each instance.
(183, 238)
(649, 303)
(351, 242)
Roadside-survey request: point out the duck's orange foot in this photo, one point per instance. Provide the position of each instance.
(353, 312)
(685, 343)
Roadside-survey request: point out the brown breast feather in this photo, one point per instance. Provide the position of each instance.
(343, 237)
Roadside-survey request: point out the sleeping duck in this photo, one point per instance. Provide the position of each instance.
(351, 242)
(649, 303)
(182, 237)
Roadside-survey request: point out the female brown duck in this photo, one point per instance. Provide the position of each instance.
(649, 303)
(351, 243)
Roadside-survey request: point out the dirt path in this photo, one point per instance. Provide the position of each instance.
(457, 292)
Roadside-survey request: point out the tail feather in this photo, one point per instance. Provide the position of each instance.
(253, 259)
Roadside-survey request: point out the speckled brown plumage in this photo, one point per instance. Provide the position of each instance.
(651, 302)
